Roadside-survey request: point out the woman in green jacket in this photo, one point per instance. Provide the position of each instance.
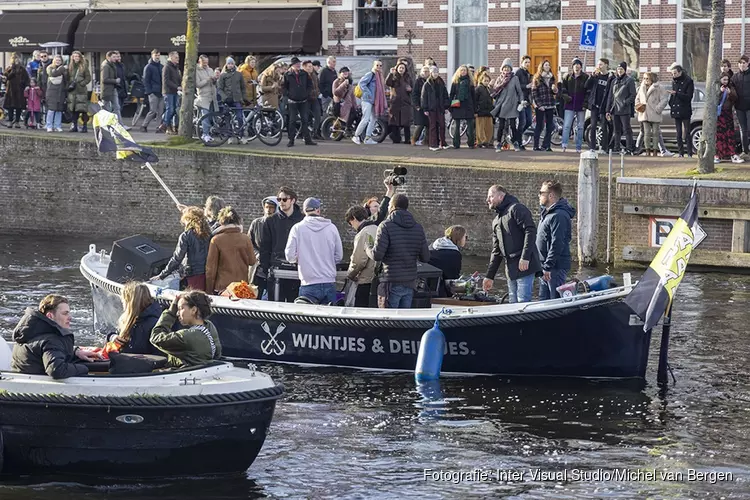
(78, 97)
(198, 343)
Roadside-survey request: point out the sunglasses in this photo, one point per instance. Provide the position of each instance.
(284, 199)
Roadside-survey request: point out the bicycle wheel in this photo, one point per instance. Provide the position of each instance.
(380, 131)
(267, 126)
(557, 131)
(219, 128)
(248, 118)
(333, 128)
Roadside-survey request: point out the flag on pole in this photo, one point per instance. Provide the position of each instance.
(655, 291)
(112, 136)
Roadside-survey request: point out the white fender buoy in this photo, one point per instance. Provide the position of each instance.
(431, 350)
(5, 355)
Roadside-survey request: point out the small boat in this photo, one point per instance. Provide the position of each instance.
(198, 420)
(592, 335)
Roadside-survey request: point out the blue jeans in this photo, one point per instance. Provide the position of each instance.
(204, 123)
(400, 297)
(519, 290)
(580, 116)
(548, 289)
(524, 122)
(368, 120)
(170, 100)
(54, 119)
(321, 293)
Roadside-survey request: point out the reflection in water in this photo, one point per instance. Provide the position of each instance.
(352, 434)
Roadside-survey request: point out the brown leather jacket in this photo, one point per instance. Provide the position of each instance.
(230, 255)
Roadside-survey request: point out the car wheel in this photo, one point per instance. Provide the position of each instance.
(695, 136)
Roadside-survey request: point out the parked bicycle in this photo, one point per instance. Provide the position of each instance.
(260, 122)
(335, 128)
(528, 136)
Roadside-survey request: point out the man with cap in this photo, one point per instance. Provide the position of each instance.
(574, 95)
(619, 107)
(270, 206)
(315, 245)
(297, 88)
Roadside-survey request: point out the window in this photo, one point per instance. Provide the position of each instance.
(695, 39)
(696, 9)
(469, 11)
(543, 10)
(621, 42)
(470, 45)
(620, 9)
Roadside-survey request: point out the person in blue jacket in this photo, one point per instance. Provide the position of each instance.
(152, 89)
(553, 238)
(140, 315)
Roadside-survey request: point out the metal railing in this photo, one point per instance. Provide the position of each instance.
(377, 22)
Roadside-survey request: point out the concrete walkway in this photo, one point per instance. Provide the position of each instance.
(389, 153)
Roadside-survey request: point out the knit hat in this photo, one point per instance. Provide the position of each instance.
(295, 60)
(507, 62)
(576, 61)
(624, 65)
(310, 204)
(230, 60)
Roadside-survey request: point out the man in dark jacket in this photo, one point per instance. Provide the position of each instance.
(297, 87)
(110, 97)
(313, 99)
(152, 88)
(273, 243)
(44, 342)
(513, 240)
(524, 117)
(171, 79)
(681, 107)
(328, 75)
(122, 87)
(44, 61)
(620, 107)
(270, 207)
(553, 238)
(741, 82)
(598, 88)
(400, 242)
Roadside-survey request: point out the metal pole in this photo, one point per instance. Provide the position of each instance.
(742, 29)
(622, 164)
(166, 188)
(661, 374)
(609, 209)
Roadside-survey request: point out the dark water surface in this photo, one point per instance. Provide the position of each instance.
(349, 434)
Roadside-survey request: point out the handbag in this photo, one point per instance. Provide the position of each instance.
(641, 108)
(455, 103)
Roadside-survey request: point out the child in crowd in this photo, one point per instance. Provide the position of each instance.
(33, 95)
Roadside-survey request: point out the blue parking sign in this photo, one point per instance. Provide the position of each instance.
(589, 32)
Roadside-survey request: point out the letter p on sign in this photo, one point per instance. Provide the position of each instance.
(589, 33)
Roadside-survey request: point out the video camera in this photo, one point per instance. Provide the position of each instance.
(396, 176)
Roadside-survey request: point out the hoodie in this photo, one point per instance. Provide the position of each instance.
(315, 245)
(445, 255)
(554, 234)
(400, 242)
(274, 236)
(42, 346)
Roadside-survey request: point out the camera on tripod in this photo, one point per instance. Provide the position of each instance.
(395, 177)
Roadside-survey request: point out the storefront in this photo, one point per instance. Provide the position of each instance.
(26, 31)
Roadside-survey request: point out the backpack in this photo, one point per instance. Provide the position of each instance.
(358, 91)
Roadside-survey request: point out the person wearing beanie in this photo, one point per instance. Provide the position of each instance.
(620, 107)
(681, 107)
(270, 206)
(315, 245)
(231, 87)
(574, 97)
(508, 96)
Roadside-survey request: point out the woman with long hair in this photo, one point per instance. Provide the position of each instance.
(57, 89)
(543, 90)
(462, 105)
(508, 95)
(650, 102)
(400, 111)
(78, 98)
(725, 139)
(139, 316)
(17, 79)
(193, 244)
(270, 86)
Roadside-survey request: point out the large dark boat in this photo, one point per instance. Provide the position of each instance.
(591, 335)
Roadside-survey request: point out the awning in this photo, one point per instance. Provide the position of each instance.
(274, 31)
(26, 31)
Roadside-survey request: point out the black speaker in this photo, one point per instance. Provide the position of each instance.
(136, 258)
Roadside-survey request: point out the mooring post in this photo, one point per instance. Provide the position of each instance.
(588, 208)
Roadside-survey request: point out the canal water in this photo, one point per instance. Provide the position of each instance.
(349, 434)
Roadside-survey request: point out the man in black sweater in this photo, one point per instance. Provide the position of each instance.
(598, 88)
(741, 82)
(297, 87)
(328, 75)
(273, 242)
(524, 117)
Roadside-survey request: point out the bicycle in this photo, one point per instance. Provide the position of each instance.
(335, 128)
(528, 135)
(260, 122)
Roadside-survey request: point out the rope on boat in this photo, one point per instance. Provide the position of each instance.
(145, 401)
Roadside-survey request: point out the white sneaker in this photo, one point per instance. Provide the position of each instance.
(737, 159)
(717, 159)
(499, 150)
(564, 148)
(419, 143)
(370, 142)
(447, 147)
(434, 149)
(666, 154)
(206, 138)
(230, 141)
(49, 130)
(58, 130)
(356, 140)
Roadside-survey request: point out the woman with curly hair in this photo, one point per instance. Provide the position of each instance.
(193, 244)
(462, 105)
(16, 80)
(230, 253)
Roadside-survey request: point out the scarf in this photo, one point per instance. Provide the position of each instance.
(501, 83)
(380, 103)
(723, 100)
(463, 88)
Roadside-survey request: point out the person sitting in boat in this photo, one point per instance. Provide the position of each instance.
(400, 242)
(445, 254)
(44, 342)
(198, 342)
(361, 266)
(139, 316)
(274, 237)
(230, 253)
(193, 244)
(315, 245)
(270, 206)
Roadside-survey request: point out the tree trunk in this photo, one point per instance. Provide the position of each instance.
(188, 75)
(707, 145)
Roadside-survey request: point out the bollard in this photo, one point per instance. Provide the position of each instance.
(588, 208)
